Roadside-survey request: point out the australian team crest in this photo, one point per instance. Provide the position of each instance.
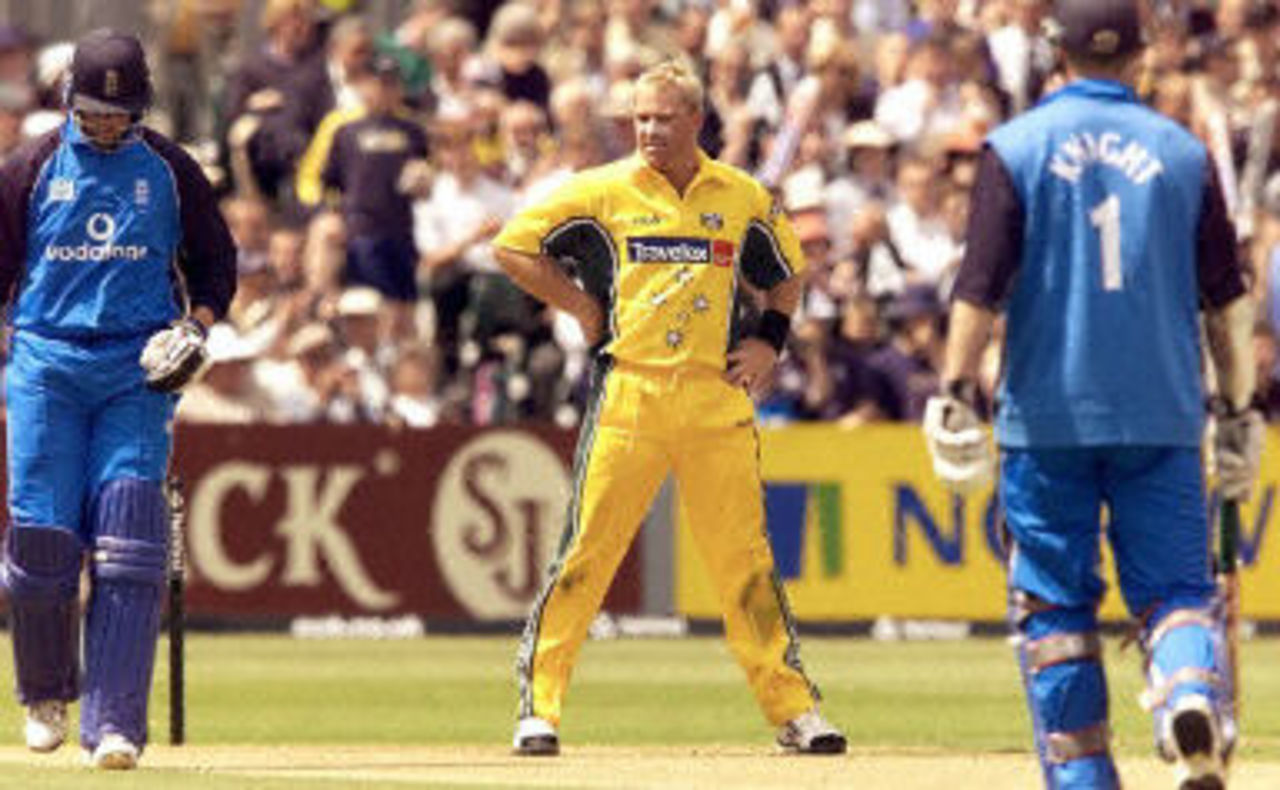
(712, 220)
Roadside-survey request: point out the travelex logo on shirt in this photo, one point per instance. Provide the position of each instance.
(101, 229)
(680, 250)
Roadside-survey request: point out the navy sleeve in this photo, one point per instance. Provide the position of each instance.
(1221, 273)
(18, 177)
(993, 248)
(762, 261)
(207, 257)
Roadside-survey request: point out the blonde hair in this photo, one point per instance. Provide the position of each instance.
(276, 10)
(515, 24)
(675, 75)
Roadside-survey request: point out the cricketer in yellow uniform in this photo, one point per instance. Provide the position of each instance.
(669, 270)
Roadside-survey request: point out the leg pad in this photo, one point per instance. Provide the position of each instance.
(41, 572)
(1060, 655)
(1184, 656)
(130, 554)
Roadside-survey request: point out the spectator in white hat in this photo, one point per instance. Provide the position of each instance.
(362, 324)
(312, 383)
(868, 176)
(228, 392)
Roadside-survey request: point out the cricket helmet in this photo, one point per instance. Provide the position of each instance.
(1097, 28)
(109, 74)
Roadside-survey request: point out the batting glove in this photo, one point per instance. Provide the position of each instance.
(1237, 451)
(958, 440)
(175, 356)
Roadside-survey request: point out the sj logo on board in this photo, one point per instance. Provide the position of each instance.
(496, 519)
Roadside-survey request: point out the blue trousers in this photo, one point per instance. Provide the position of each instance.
(79, 416)
(1158, 530)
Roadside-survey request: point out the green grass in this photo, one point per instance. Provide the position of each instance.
(956, 696)
(450, 690)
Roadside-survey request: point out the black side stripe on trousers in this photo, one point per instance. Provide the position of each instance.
(792, 655)
(581, 461)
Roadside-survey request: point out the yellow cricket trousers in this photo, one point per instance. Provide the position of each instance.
(643, 423)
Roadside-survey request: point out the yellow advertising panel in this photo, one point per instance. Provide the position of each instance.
(860, 528)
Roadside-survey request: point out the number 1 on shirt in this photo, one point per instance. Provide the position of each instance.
(1106, 218)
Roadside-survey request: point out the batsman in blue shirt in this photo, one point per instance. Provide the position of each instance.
(113, 261)
(1100, 232)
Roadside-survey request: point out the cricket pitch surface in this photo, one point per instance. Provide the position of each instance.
(583, 767)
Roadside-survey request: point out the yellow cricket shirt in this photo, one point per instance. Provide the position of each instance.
(668, 270)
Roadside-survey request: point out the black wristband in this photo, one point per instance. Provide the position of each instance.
(963, 390)
(1222, 408)
(774, 328)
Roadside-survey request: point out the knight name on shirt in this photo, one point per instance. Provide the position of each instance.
(1109, 148)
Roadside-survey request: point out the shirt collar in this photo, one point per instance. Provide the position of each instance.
(1107, 90)
(72, 133)
(707, 170)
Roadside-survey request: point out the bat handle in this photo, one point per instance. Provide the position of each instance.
(177, 612)
(1229, 537)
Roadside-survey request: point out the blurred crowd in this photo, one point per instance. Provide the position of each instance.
(365, 170)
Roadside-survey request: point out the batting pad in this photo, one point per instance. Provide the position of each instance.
(42, 576)
(130, 552)
(1067, 695)
(1183, 650)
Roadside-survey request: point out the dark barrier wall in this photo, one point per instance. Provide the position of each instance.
(450, 523)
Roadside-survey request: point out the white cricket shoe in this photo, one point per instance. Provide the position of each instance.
(809, 733)
(46, 726)
(1193, 737)
(535, 737)
(115, 753)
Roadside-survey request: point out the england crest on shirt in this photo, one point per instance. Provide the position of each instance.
(141, 192)
(62, 190)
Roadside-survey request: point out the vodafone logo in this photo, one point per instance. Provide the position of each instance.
(101, 228)
(497, 520)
